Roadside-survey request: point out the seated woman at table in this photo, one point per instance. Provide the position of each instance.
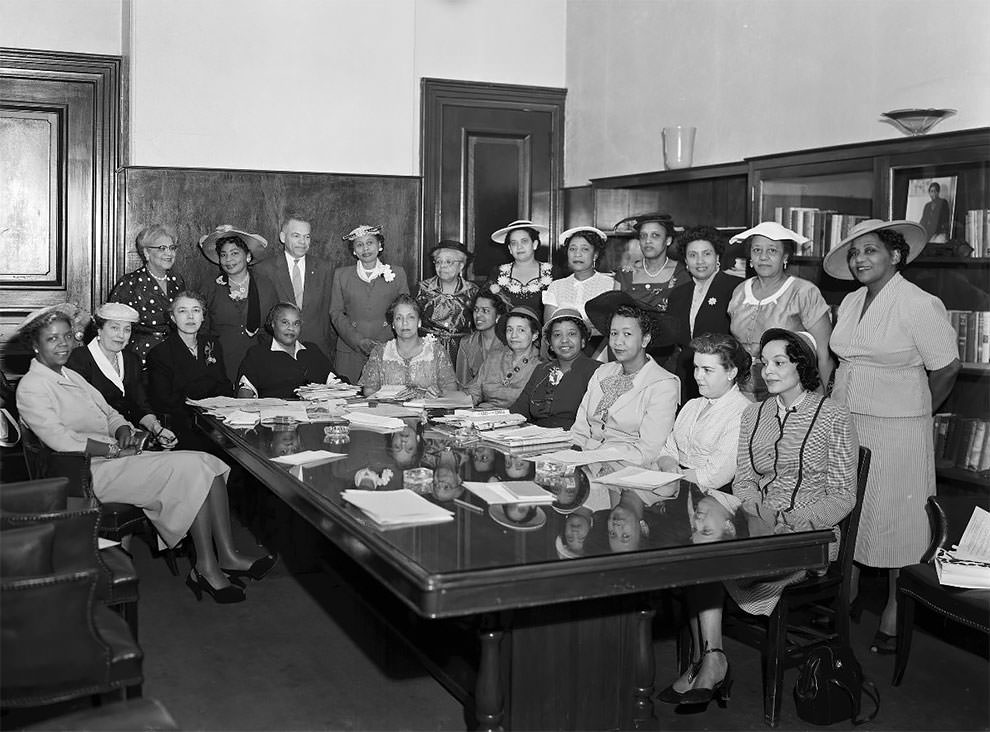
(115, 372)
(419, 363)
(630, 402)
(556, 387)
(486, 309)
(277, 368)
(181, 492)
(504, 373)
(702, 445)
(188, 364)
(795, 471)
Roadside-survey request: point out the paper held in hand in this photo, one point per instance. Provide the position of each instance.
(968, 563)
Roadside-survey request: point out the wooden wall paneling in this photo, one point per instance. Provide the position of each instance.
(194, 201)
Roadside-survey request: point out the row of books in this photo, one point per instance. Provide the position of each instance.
(962, 442)
(973, 331)
(978, 231)
(825, 228)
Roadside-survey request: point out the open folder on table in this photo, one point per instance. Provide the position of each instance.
(578, 457)
(510, 491)
(633, 477)
(367, 419)
(397, 508)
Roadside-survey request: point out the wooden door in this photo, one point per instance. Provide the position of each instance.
(491, 153)
(59, 145)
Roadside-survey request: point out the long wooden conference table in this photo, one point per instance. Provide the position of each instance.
(525, 631)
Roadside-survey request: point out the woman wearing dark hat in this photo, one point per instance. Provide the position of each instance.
(445, 299)
(150, 288)
(359, 298)
(554, 391)
(584, 245)
(630, 402)
(236, 302)
(504, 374)
(523, 280)
(795, 471)
(774, 299)
(898, 360)
(652, 282)
(116, 372)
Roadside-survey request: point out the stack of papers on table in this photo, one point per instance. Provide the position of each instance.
(334, 389)
(633, 477)
(527, 436)
(391, 391)
(309, 457)
(585, 457)
(367, 419)
(290, 410)
(397, 508)
(484, 419)
(453, 401)
(510, 491)
(240, 418)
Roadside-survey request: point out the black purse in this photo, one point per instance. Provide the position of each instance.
(830, 686)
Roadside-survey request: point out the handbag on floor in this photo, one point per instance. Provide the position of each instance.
(830, 686)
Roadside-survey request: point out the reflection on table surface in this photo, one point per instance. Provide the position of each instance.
(587, 518)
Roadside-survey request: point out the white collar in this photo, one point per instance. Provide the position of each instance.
(369, 274)
(781, 409)
(292, 260)
(751, 298)
(104, 365)
(275, 348)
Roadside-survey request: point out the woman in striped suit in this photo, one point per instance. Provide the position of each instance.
(898, 360)
(795, 471)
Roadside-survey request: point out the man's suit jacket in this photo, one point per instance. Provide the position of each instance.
(713, 317)
(317, 283)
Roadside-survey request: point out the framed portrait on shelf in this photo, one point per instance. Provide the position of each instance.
(931, 202)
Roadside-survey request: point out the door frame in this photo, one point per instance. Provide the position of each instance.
(436, 94)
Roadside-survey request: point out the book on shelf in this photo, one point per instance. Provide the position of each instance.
(962, 442)
(978, 231)
(824, 227)
(973, 334)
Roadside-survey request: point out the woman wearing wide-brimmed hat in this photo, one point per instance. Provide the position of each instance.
(583, 245)
(523, 280)
(236, 302)
(445, 299)
(504, 373)
(774, 299)
(630, 402)
(898, 360)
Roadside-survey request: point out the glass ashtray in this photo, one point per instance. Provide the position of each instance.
(336, 430)
(418, 479)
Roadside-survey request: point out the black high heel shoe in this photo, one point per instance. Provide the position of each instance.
(256, 571)
(670, 695)
(719, 692)
(224, 596)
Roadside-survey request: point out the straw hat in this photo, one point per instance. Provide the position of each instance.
(502, 235)
(256, 243)
(914, 234)
(561, 314)
(596, 237)
(118, 311)
(771, 230)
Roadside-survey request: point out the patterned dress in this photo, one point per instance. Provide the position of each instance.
(502, 281)
(429, 371)
(140, 290)
(446, 315)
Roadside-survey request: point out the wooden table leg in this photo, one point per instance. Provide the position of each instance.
(644, 668)
(489, 696)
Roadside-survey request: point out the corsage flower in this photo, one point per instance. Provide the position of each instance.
(208, 352)
(555, 375)
(712, 300)
(387, 274)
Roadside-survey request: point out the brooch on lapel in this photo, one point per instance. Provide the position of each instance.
(712, 300)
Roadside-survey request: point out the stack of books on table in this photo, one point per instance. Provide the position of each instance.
(482, 419)
(527, 440)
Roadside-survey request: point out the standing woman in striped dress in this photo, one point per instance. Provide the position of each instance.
(898, 360)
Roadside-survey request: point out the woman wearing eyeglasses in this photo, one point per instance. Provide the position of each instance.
(150, 288)
(445, 300)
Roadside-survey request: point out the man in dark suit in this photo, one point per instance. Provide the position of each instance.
(702, 306)
(301, 279)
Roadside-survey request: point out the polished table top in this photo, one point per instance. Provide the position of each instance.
(590, 543)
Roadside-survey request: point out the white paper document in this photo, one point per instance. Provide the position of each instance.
(633, 477)
(367, 419)
(451, 401)
(240, 418)
(309, 457)
(510, 491)
(975, 542)
(586, 457)
(396, 508)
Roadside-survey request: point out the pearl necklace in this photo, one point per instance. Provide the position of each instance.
(659, 271)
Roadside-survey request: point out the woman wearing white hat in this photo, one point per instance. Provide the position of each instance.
(774, 299)
(898, 360)
(523, 280)
(236, 302)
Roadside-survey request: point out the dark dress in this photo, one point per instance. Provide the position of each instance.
(547, 405)
(712, 317)
(276, 373)
(132, 402)
(140, 290)
(237, 324)
(174, 376)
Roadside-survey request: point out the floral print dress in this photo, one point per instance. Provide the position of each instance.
(502, 281)
(428, 372)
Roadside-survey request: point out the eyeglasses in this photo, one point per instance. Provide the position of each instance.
(446, 262)
(162, 248)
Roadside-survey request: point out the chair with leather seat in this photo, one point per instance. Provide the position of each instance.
(783, 638)
(118, 521)
(948, 517)
(76, 523)
(144, 714)
(58, 641)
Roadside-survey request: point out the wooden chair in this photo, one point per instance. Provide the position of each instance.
(781, 638)
(948, 517)
(76, 523)
(118, 521)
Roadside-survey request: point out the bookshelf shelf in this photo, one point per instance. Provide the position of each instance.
(962, 476)
(975, 368)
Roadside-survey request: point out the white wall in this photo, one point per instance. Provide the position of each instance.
(762, 76)
(79, 26)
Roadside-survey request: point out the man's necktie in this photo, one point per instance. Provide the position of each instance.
(297, 283)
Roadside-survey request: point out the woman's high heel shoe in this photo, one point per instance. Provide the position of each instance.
(670, 695)
(224, 596)
(719, 692)
(257, 570)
